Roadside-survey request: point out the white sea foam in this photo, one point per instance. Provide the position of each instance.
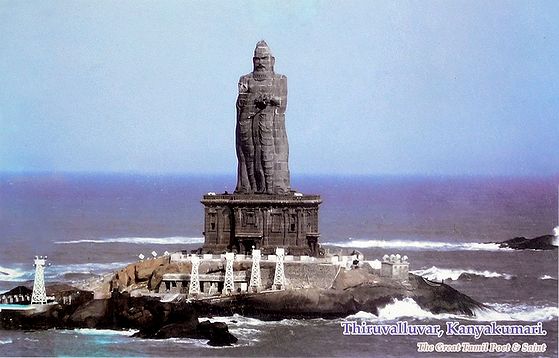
(197, 343)
(547, 277)
(419, 245)
(405, 308)
(438, 274)
(139, 240)
(408, 308)
(240, 321)
(103, 332)
(6, 341)
(509, 312)
(85, 268)
(10, 274)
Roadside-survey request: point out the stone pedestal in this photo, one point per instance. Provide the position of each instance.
(239, 222)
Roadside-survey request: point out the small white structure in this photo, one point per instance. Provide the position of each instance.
(279, 276)
(255, 281)
(194, 288)
(395, 266)
(39, 295)
(229, 284)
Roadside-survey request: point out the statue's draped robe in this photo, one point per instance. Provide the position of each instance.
(261, 138)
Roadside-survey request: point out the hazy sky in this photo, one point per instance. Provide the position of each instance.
(375, 87)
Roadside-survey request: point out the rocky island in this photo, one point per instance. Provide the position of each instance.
(545, 242)
(261, 255)
(123, 300)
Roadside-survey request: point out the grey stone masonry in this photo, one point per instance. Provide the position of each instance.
(239, 222)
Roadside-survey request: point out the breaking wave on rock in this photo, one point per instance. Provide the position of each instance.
(397, 309)
(242, 321)
(438, 274)
(408, 308)
(11, 274)
(103, 332)
(419, 245)
(510, 312)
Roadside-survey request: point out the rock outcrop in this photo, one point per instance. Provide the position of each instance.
(153, 318)
(545, 242)
(352, 291)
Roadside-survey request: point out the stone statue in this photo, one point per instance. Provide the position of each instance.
(261, 139)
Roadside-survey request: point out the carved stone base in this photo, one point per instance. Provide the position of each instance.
(239, 222)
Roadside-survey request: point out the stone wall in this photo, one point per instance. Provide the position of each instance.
(303, 275)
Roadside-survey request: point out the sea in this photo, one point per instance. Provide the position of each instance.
(92, 224)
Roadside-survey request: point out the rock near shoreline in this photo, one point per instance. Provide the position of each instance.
(545, 242)
(353, 291)
(151, 317)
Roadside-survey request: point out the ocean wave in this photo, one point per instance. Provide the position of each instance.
(547, 277)
(174, 240)
(6, 341)
(419, 245)
(510, 312)
(408, 308)
(397, 309)
(438, 274)
(197, 343)
(89, 268)
(237, 320)
(102, 332)
(63, 272)
(14, 274)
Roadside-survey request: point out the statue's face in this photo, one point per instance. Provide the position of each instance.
(262, 62)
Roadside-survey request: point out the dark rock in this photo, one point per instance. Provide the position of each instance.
(441, 298)
(177, 330)
(355, 290)
(217, 333)
(544, 242)
(19, 290)
(91, 315)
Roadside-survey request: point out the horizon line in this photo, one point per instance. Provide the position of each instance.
(304, 174)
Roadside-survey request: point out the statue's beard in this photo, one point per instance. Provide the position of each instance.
(261, 73)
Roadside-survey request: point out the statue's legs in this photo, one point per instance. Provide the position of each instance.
(245, 154)
(281, 149)
(258, 168)
(267, 151)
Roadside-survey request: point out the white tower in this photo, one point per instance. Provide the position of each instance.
(255, 282)
(279, 276)
(194, 288)
(229, 285)
(39, 295)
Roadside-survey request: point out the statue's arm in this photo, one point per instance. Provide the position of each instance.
(281, 98)
(243, 93)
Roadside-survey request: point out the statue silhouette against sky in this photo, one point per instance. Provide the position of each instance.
(261, 139)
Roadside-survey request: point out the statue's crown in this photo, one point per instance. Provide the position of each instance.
(262, 49)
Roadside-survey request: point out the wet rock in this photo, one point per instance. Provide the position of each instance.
(90, 315)
(545, 242)
(217, 333)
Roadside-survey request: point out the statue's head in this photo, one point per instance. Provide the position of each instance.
(263, 61)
